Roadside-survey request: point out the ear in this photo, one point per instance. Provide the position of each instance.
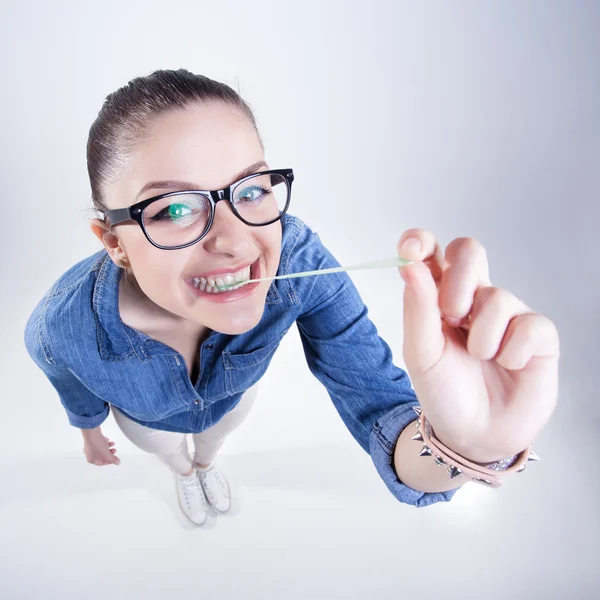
(107, 238)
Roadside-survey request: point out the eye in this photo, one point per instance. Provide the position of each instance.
(173, 212)
(253, 193)
(179, 210)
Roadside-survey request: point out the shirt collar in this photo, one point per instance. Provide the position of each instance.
(116, 340)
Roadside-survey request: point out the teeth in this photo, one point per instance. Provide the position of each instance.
(243, 275)
(211, 284)
(212, 290)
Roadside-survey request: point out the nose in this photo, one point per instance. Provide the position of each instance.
(228, 234)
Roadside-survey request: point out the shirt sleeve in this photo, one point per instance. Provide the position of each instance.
(343, 350)
(84, 409)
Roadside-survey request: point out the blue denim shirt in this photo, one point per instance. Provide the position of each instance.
(93, 359)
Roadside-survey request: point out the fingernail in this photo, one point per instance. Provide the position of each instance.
(411, 246)
(454, 321)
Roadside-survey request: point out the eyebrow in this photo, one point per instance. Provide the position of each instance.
(188, 185)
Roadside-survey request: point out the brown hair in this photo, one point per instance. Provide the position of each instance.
(126, 113)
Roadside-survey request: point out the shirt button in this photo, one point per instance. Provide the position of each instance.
(209, 346)
(196, 401)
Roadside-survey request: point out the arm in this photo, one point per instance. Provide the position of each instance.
(84, 409)
(373, 396)
(421, 473)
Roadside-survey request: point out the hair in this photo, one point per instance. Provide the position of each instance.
(126, 114)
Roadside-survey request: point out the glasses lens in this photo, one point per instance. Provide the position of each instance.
(261, 198)
(177, 220)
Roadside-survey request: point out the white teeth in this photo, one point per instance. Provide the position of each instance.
(211, 290)
(211, 284)
(222, 280)
(242, 275)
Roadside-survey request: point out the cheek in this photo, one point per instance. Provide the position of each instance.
(158, 284)
(156, 270)
(136, 245)
(271, 242)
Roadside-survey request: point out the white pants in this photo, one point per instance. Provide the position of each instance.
(171, 447)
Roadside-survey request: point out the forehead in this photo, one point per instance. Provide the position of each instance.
(206, 144)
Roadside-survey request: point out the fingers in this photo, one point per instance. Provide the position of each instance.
(100, 462)
(423, 246)
(529, 335)
(107, 454)
(423, 336)
(492, 311)
(500, 325)
(504, 327)
(424, 340)
(467, 271)
(458, 275)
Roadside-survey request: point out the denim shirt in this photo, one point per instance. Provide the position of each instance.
(94, 360)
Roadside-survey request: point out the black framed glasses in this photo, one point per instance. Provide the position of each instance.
(180, 219)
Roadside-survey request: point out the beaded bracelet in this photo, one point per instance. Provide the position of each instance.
(486, 474)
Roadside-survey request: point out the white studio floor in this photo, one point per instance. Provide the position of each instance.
(311, 518)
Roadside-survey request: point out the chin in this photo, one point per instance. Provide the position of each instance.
(236, 326)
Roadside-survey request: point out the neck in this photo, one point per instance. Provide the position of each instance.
(133, 297)
(131, 285)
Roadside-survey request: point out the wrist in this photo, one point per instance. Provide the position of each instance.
(471, 452)
(90, 434)
(487, 473)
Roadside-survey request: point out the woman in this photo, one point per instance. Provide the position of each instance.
(160, 327)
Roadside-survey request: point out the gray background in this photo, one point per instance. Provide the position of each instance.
(465, 118)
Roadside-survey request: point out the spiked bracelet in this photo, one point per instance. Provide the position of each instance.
(458, 465)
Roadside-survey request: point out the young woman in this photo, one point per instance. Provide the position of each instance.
(159, 327)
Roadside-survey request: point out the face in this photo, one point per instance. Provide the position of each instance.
(208, 146)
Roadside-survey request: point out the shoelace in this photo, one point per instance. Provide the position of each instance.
(189, 486)
(216, 474)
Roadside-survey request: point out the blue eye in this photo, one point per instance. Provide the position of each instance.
(253, 193)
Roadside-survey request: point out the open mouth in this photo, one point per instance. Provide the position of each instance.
(223, 283)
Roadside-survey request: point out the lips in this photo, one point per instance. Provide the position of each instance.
(225, 270)
(234, 294)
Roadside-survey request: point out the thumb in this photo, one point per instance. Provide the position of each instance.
(423, 336)
(110, 457)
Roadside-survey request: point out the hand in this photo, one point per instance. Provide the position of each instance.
(98, 448)
(483, 364)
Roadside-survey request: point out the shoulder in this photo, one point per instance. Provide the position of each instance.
(302, 248)
(63, 310)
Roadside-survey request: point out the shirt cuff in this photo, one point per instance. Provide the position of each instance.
(90, 422)
(383, 439)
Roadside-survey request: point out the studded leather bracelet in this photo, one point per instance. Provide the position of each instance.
(486, 474)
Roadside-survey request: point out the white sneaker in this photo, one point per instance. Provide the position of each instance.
(191, 498)
(216, 488)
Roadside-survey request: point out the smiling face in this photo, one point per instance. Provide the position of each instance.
(208, 146)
